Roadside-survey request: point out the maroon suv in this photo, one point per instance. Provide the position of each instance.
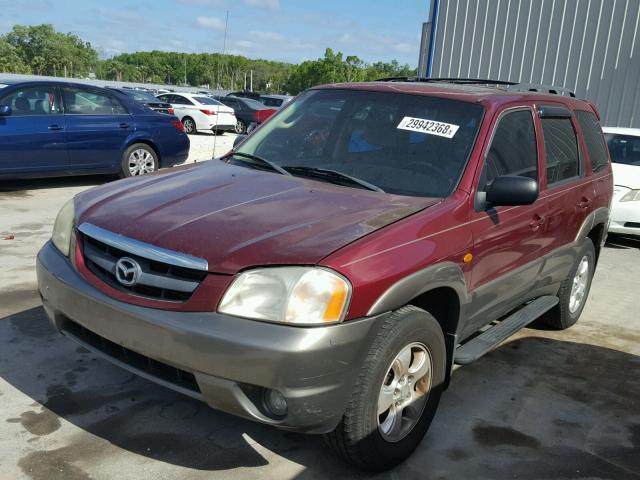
(326, 274)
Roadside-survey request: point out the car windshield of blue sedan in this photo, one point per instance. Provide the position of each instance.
(402, 144)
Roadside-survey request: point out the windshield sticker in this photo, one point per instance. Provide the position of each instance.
(430, 127)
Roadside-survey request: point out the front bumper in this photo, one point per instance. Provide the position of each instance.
(625, 218)
(232, 360)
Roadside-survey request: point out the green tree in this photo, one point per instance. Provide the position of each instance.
(48, 52)
(10, 60)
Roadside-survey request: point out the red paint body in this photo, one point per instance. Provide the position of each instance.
(237, 218)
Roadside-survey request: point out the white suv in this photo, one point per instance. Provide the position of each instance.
(200, 113)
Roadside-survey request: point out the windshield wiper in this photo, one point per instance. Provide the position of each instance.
(262, 161)
(332, 176)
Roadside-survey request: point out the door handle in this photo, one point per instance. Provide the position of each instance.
(124, 125)
(537, 222)
(584, 202)
(55, 127)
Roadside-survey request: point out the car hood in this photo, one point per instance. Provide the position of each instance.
(626, 175)
(237, 217)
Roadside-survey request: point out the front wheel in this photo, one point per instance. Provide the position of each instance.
(574, 290)
(138, 159)
(396, 394)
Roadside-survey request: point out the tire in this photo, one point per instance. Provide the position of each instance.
(567, 312)
(189, 126)
(240, 127)
(360, 437)
(138, 159)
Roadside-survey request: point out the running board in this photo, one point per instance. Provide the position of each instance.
(474, 349)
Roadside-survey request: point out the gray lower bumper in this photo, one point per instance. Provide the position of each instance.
(314, 368)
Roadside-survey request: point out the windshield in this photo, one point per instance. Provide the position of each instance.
(207, 101)
(141, 96)
(624, 148)
(404, 144)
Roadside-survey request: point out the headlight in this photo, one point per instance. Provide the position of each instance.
(61, 236)
(631, 196)
(297, 295)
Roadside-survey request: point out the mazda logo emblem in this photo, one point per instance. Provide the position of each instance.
(128, 271)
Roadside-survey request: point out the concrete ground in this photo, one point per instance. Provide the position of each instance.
(544, 405)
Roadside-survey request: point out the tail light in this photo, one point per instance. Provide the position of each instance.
(171, 111)
(177, 123)
(208, 112)
(262, 115)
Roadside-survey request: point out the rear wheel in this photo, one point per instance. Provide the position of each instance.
(138, 159)
(240, 127)
(396, 394)
(189, 125)
(574, 290)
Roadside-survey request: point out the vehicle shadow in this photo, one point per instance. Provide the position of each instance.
(18, 186)
(622, 242)
(535, 408)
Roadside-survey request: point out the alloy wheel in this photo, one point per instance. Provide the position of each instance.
(189, 126)
(579, 285)
(404, 392)
(140, 162)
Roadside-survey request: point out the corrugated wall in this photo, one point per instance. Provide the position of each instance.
(589, 46)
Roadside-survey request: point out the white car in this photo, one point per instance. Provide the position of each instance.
(624, 148)
(200, 113)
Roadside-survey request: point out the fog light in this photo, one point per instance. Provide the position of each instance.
(275, 402)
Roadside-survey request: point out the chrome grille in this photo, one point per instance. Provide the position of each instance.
(159, 280)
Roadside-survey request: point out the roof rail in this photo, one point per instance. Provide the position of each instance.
(532, 87)
(459, 81)
(510, 86)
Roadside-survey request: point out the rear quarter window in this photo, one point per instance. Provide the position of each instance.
(594, 139)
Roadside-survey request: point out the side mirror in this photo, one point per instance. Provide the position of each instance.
(238, 140)
(5, 110)
(508, 190)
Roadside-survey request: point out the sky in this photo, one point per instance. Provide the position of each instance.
(285, 30)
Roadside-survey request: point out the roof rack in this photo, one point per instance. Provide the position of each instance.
(510, 86)
(532, 87)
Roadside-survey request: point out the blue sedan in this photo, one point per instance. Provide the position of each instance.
(50, 128)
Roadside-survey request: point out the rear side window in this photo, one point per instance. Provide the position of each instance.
(594, 139)
(207, 101)
(513, 149)
(32, 101)
(561, 144)
(88, 102)
(271, 102)
(180, 100)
